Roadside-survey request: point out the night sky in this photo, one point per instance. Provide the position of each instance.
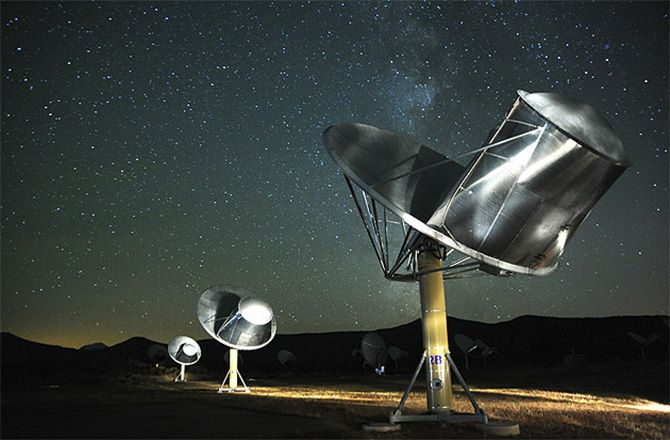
(150, 150)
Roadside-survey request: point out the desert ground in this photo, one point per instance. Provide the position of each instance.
(607, 401)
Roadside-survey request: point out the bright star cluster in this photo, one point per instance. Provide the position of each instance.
(150, 150)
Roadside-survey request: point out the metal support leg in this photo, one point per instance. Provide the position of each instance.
(233, 374)
(466, 388)
(401, 405)
(181, 377)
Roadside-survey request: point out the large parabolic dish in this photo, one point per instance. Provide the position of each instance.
(513, 207)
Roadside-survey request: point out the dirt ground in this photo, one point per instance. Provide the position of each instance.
(309, 407)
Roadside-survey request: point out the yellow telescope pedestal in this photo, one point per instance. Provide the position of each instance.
(436, 356)
(232, 376)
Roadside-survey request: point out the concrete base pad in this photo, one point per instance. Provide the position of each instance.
(503, 429)
(381, 427)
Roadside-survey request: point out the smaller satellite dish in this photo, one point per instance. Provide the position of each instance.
(643, 342)
(486, 351)
(466, 345)
(157, 353)
(184, 351)
(396, 354)
(374, 351)
(286, 359)
(234, 317)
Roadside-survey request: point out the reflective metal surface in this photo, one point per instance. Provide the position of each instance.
(232, 316)
(513, 207)
(184, 350)
(409, 178)
(579, 121)
(522, 198)
(374, 350)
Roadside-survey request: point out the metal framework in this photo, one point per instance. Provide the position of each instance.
(398, 257)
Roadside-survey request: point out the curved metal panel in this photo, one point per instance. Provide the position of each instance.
(409, 177)
(579, 121)
(521, 200)
(184, 350)
(232, 316)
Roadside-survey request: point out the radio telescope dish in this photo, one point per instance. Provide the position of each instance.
(396, 354)
(286, 358)
(184, 351)
(466, 345)
(157, 353)
(511, 209)
(644, 343)
(374, 351)
(234, 317)
(508, 207)
(486, 350)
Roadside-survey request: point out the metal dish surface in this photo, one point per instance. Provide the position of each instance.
(184, 350)
(221, 312)
(517, 202)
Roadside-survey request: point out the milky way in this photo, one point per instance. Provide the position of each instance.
(150, 150)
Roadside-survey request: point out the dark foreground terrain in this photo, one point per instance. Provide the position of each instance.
(555, 377)
(546, 403)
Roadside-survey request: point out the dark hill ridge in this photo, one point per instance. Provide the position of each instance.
(523, 341)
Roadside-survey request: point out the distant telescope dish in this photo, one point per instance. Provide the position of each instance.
(466, 345)
(184, 351)
(508, 207)
(232, 316)
(486, 350)
(286, 358)
(396, 354)
(643, 342)
(239, 320)
(475, 349)
(374, 351)
(157, 353)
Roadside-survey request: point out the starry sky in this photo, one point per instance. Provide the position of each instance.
(150, 150)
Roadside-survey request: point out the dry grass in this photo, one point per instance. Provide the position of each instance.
(324, 408)
(540, 413)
